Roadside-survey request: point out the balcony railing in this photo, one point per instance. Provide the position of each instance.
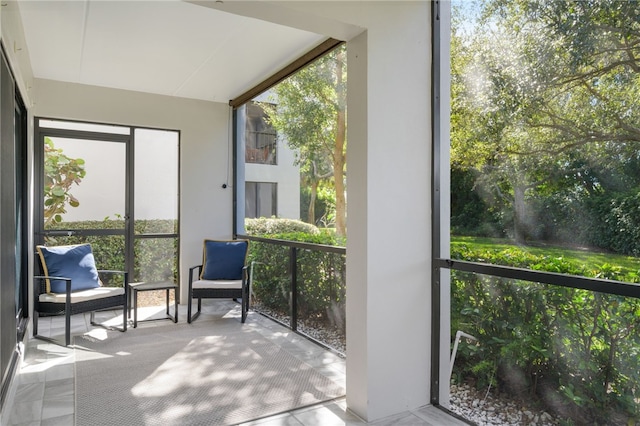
(562, 344)
(302, 286)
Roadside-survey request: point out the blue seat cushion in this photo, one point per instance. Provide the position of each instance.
(223, 260)
(74, 261)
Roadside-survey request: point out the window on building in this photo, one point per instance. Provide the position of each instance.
(261, 199)
(260, 135)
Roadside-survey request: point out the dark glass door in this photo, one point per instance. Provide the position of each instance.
(84, 188)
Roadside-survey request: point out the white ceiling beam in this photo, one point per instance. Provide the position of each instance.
(295, 14)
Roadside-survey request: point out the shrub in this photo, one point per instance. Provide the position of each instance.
(569, 345)
(616, 224)
(271, 226)
(321, 277)
(154, 260)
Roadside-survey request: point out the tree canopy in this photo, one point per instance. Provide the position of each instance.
(60, 174)
(546, 103)
(311, 114)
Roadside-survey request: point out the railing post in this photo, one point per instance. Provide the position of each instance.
(293, 297)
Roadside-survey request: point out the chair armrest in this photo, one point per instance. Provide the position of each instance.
(40, 286)
(50, 277)
(193, 268)
(41, 289)
(245, 274)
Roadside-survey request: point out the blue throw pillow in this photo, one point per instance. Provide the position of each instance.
(224, 260)
(75, 262)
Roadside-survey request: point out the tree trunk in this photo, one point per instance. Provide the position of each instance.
(519, 210)
(311, 213)
(339, 156)
(338, 176)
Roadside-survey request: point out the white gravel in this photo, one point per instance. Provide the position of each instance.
(490, 410)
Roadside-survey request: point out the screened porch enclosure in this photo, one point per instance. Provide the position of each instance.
(536, 255)
(197, 105)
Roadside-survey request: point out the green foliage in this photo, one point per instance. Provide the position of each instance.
(545, 114)
(575, 347)
(324, 205)
(321, 276)
(616, 224)
(470, 213)
(60, 173)
(269, 226)
(311, 114)
(155, 259)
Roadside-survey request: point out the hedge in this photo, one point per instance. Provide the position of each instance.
(321, 275)
(576, 351)
(155, 259)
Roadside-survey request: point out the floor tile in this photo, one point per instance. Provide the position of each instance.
(67, 420)
(57, 388)
(58, 372)
(280, 420)
(28, 392)
(34, 423)
(329, 414)
(25, 412)
(405, 419)
(45, 383)
(61, 405)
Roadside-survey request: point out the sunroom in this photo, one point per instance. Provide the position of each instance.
(184, 68)
(484, 152)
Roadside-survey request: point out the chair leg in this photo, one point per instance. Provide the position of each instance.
(197, 314)
(175, 306)
(189, 301)
(36, 315)
(67, 328)
(246, 308)
(125, 311)
(244, 304)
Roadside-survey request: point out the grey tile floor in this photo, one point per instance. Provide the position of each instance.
(45, 393)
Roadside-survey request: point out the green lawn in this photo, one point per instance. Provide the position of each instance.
(578, 257)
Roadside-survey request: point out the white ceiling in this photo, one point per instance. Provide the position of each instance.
(167, 47)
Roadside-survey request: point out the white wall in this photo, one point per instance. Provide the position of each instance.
(16, 48)
(389, 211)
(206, 208)
(287, 178)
